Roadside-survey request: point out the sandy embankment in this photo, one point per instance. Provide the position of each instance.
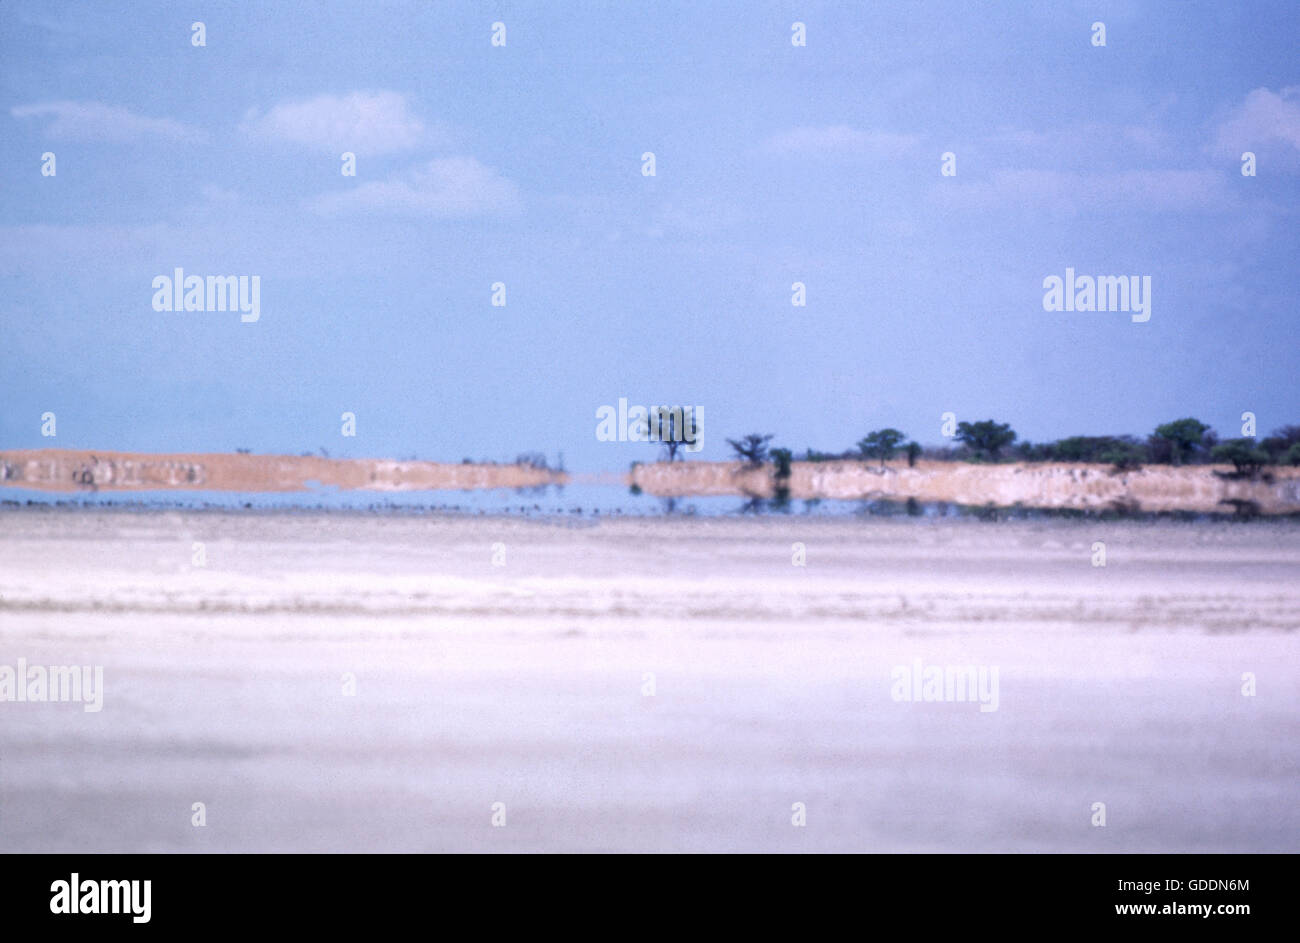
(1043, 485)
(69, 470)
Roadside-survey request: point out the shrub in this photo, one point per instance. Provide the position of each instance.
(1244, 454)
(1124, 455)
(781, 458)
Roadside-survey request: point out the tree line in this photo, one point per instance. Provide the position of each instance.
(1186, 441)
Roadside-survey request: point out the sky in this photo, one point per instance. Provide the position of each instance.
(523, 164)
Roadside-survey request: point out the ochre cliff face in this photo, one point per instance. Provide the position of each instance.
(1047, 485)
(66, 470)
(1203, 488)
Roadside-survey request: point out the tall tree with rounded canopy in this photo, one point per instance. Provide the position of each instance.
(986, 438)
(881, 444)
(1183, 436)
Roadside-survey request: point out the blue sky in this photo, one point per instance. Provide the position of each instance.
(522, 164)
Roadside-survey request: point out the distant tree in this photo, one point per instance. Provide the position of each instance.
(532, 460)
(752, 448)
(1291, 456)
(1280, 442)
(1160, 451)
(986, 438)
(1124, 454)
(881, 444)
(1184, 437)
(1029, 452)
(782, 458)
(670, 425)
(913, 453)
(1247, 457)
(1081, 448)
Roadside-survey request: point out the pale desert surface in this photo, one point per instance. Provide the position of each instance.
(523, 684)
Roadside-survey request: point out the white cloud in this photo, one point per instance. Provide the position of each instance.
(839, 139)
(1079, 145)
(94, 121)
(213, 193)
(1073, 192)
(447, 187)
(1264, 117)
(362, 122)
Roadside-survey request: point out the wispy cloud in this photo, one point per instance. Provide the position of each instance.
(213, 193)
(95, 121)
(1076, 145)
(361, 122)
(447, 187)
(1072, 192)
(1263, 118)
(839, 139)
